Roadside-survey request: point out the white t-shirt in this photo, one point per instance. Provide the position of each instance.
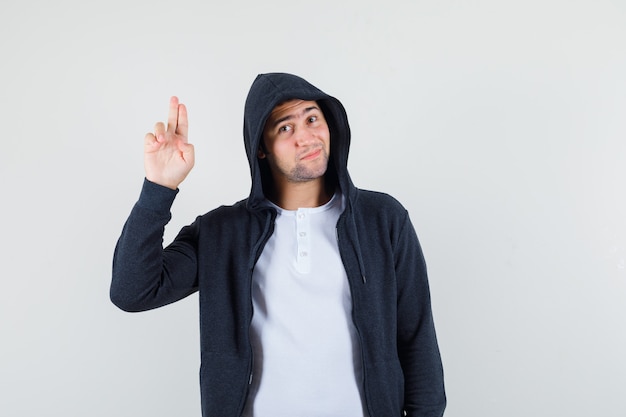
(307, 358)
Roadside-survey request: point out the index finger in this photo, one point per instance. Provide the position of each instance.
(172, 117)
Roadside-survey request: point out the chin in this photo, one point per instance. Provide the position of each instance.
(304, 175)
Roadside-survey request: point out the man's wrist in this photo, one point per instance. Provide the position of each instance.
(156, 196)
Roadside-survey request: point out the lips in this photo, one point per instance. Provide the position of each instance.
(311, 154)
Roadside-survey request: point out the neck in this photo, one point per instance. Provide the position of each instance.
(292, 196)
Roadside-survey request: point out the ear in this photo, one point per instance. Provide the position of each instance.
(260, 154)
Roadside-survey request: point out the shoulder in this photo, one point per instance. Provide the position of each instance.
(378, 202)
(237, 213)
(374, 210)
(226, 210)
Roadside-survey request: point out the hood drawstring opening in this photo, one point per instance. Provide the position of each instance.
(359, 254)
(356, 244)
(256, 249)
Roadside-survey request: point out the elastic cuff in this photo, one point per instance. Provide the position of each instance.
(156, 197)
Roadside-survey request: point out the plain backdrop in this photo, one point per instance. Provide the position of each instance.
(500, 125)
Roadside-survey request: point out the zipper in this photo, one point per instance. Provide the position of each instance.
(267, 232)
(251, 361)
(356, 327)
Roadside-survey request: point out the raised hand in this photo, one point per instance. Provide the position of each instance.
(168, 157)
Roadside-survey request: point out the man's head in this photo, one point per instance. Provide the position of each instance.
(296, 142)
(314, 121)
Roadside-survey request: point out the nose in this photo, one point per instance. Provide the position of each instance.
(304, 137)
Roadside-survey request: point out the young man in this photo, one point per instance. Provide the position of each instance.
(314, 299)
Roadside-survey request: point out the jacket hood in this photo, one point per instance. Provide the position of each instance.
(269, 90)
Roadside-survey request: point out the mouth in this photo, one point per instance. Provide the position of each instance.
(312, 154)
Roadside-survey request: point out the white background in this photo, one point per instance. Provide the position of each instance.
(501, 126)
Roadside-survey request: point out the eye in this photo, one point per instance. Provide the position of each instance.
(312, 119)
(285, 128)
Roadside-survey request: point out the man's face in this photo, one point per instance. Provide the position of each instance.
(297, 141)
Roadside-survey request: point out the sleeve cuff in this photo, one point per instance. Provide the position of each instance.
(156, 197)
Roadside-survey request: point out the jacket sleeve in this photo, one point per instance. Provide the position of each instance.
(424, 393)
(146, 276)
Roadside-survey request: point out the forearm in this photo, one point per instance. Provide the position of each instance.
(418, 349)
(424, 392)
(146, 276)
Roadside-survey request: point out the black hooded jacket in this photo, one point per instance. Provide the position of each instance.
(216, 256)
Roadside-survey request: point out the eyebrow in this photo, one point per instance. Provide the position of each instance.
(291, 116)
